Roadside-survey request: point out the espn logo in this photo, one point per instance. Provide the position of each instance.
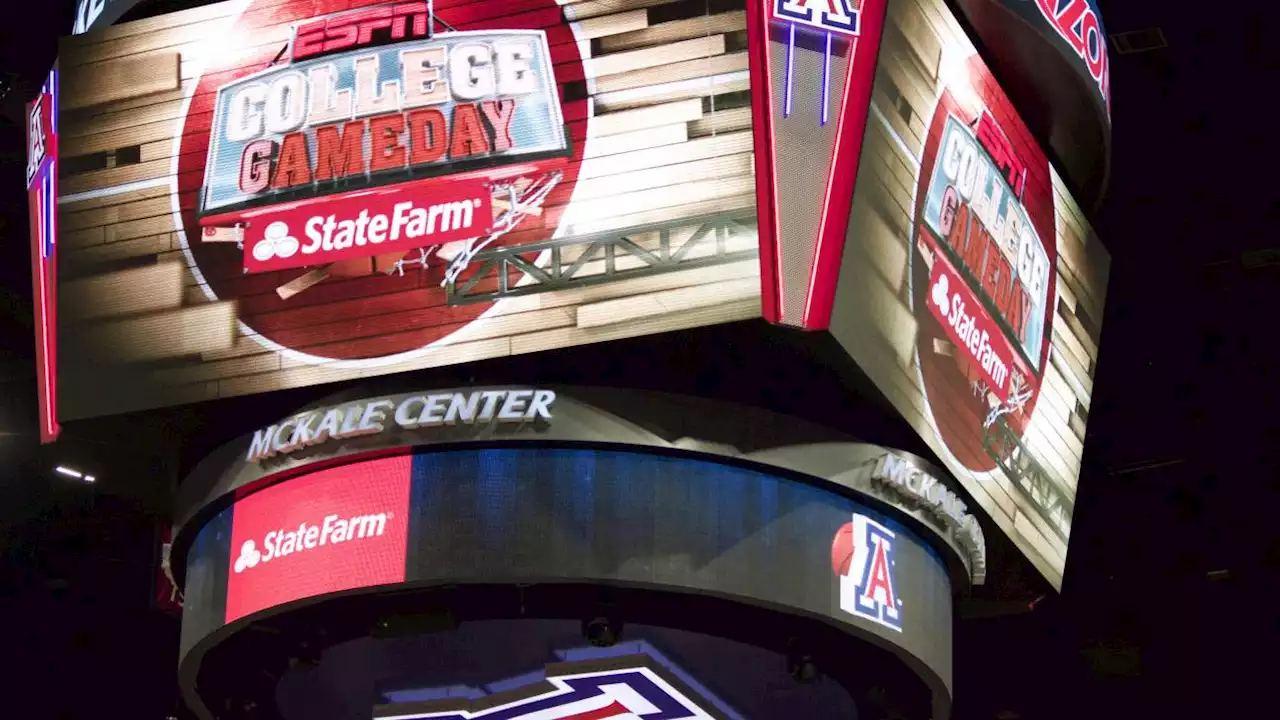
(361, 28)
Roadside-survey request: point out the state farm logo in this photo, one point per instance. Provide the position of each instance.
(373, 157)
(982, 273)
(970, 330)
(365, 222)
(333, 530)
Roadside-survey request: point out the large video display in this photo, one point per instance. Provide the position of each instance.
(267, 194)
(971, 286)
(572, 515)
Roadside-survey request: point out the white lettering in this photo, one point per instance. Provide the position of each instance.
(471, 72)
(329, 426)
(245, 119)
(260, 446)
(374, 414)
(452, 216)
(279, 441)
(405, 416)
(514, 406)
(462, 407)
(378, 229)
(312, 230)
(433, 413)
(978, 342)
(369, 417)
(328, 104)
(87, 13)
(491, 398)
(515, 68)
(332, 529)
(286, 103)
(541, 405)
(424, 81)
(350, 422)
(302, 432)
(943, 504)
(372, 99)
(405, 221)
(326, 532)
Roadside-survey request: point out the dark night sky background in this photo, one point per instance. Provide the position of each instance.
(1181, 463)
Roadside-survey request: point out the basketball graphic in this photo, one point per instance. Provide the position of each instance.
(370, 154)
(842, 550)
(982, 271)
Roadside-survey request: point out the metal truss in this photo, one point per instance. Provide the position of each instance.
(1028, 476)
(608, 247)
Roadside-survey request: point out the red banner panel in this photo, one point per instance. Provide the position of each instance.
(336, 529)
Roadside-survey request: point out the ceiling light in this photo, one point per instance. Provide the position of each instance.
(73, 473)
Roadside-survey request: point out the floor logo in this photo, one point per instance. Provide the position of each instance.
(862, 556)
(628, 689)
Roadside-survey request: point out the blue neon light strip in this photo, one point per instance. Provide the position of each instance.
(791, 54)
(826, 80)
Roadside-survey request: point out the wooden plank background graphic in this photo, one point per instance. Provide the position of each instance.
(922, 42)
(668, 136)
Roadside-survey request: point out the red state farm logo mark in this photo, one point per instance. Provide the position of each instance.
(298, 234)
(332, 530)
(970, 328)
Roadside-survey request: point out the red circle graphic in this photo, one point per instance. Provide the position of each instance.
(959, 410)
(358, 313)
(842, 547)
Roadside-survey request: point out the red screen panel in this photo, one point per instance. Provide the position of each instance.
(335, 529)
